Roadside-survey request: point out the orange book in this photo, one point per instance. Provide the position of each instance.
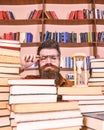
(72, 15)
(6, 128)
(43, 107)
(39, 15)
(35, 14)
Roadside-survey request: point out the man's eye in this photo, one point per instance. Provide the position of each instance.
(53, 58)
(43, 58)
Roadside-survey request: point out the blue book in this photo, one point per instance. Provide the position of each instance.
(66, 37)
(11, 15)
(29, 37)
(46, 35)
(88, 62)
(67, 62)
(31, 14)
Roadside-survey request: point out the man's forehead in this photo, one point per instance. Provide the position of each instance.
(48, 51)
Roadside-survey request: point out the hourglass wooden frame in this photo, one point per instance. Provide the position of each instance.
(80, 69)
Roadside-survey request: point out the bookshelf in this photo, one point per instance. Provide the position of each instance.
(21, 23)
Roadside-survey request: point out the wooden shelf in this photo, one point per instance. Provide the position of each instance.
(67, 1)
(99, 1)
(48, 21)
(19, 2)
(30, 44)
(60, 44)
(100, 44)
(20, 22)
(69, 22)
(100, 21)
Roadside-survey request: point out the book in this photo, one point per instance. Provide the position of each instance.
(96, 79)
(37, 107)
(10, 65)
(54, 15)
(67, 128)
(91, 108)
(3, 81)
(9, 70)
(11, 75)
(3, 104)
(83, 97)
(97, 64)
(94, 120)
(10, 46)
(9, 59)
(101, 70)
(32, 89)
(4, 96)
(98, 83)
(97, 74)
(48, 15)
(80, 14)
(4, 112)
(9, 41)
(16, 99)
(39, 15)
(35, 14)
(29, 37)
(6, 127)
(52, 115)
(9, 52)
(4, 121)
(31, 82)
(72, 14)
(47, 124)
(4, 88)
(86, 102)
(97, 59)
(79, 90)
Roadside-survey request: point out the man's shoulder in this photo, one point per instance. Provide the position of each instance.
(65, 82)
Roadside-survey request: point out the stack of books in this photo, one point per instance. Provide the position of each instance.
(9, 68)
(93, 121)
(97, 73)
(34, 105)
(90, 99)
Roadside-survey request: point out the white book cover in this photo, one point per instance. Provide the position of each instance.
(48, 124)
(17, 99)
(23, 89)
(46, 115)
(32, 82)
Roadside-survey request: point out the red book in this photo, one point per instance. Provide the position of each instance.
(35, 14)
(54, 14)
(72, 15)
(39, 14)
(1, 15)
(80, 14)
(5, 15)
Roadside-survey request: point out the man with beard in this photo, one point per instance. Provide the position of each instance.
(48, 59)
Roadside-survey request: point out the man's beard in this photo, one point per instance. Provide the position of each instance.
(50, 73)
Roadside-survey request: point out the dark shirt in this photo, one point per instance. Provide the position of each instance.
(62, 82)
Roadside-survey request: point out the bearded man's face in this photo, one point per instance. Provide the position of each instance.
(49, 63)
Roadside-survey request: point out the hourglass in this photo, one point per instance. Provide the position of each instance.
(80, 69)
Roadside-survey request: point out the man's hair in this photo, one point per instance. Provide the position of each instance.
(49, 44)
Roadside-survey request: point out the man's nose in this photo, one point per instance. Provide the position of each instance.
(48, 60)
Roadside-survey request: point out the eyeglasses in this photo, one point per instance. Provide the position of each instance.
(52, 57)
